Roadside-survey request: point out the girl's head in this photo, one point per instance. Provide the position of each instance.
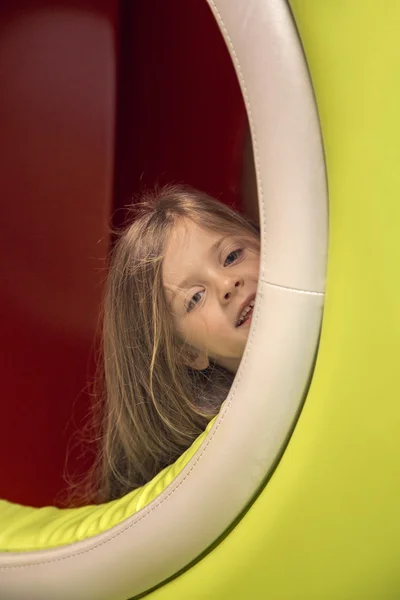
(181, 271)
(209, 275)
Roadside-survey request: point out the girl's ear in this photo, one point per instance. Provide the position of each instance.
(196, 360)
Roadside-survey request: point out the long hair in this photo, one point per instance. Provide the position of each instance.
(151, 406)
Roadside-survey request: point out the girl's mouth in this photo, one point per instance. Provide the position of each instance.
(247, 319)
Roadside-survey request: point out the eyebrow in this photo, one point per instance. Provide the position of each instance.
(216, 245)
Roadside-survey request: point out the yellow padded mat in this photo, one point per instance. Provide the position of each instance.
(23, 528)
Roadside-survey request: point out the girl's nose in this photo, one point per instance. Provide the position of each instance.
(228, 294)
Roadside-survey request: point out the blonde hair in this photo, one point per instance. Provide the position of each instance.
(152, 405)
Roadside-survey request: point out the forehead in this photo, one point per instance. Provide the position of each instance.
(187, 244)
(186, 235)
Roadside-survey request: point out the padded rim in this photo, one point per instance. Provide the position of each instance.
(253, 426)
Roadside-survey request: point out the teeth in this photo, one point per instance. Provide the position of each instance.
(246, 309)
(244, 312)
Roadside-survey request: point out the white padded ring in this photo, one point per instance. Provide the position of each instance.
(254, 423)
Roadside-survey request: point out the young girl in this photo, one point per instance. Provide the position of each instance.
(177, 309)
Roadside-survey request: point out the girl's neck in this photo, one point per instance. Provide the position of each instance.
(231, 364)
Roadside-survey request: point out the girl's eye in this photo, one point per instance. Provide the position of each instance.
(230, 259)
(193, 301)
(235, 254)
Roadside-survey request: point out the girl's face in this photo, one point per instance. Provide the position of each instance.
(209, 280)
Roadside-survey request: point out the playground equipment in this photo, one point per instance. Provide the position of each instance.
(293, 490)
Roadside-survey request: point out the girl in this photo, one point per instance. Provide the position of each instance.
(177, 308)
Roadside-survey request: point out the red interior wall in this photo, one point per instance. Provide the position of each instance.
(179, 116)
(57, 115)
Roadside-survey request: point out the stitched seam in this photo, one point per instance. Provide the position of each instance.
(292, 289)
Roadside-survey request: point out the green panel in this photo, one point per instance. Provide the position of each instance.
(327, 526)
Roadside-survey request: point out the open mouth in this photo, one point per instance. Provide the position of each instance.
(246, 318)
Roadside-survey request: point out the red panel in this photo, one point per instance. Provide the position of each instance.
(181, 112)
(57, 104)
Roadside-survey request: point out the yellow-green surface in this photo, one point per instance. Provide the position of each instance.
(24, 528)
(327, 526)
